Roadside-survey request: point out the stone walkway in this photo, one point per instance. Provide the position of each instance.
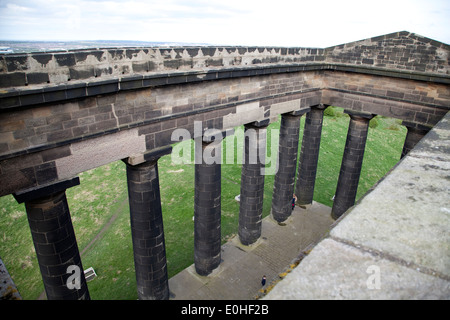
(239, 275)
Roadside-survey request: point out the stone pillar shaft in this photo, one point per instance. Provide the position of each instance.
(283, 187)
(351, 163)
(414, 134)
(147, 229)
(252, 184)
(55, 242)
(207, 211)
(309, 156)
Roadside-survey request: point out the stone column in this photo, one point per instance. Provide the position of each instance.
(207, 206)
(351, 162)
(252, 182)
(415, 133)
(283, 186)
(54, 240)
(309, 156)
(147, 230)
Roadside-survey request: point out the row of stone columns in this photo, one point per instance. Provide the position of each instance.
(54, 238)
(351, 165)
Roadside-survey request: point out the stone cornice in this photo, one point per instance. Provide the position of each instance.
(16, 98)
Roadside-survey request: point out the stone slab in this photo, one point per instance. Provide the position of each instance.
(335, 270)
(407, 215)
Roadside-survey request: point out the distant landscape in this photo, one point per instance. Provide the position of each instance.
(42, 46)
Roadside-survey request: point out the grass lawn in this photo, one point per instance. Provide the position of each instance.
(99, 205)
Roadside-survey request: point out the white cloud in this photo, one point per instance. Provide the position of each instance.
(233, 22)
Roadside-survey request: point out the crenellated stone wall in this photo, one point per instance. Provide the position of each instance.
(399, 50)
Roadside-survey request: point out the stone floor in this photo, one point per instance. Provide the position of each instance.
(239, 275)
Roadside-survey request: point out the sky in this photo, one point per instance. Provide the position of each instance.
(290, 23)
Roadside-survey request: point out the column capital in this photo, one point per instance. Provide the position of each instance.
(359, 114)
(149, 156)
(299, 112)
(320, 106)
(416, 126)
(259, 123)
(45, 190)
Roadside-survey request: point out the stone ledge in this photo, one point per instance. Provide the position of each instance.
(334, 270)
(12, 98)
(127, 126)
(43, 191)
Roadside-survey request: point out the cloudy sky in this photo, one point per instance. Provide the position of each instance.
(295, 23)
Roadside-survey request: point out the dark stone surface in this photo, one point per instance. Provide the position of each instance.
(207, 215)
(252, 184)
(147, 231)
(413, 136)
(309, 156)
(283, 187)
(350, 172)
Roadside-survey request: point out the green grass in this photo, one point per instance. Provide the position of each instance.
(102, 197)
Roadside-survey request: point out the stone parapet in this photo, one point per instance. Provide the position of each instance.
(399, 50)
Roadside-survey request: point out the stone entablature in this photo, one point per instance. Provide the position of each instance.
(58, 140)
